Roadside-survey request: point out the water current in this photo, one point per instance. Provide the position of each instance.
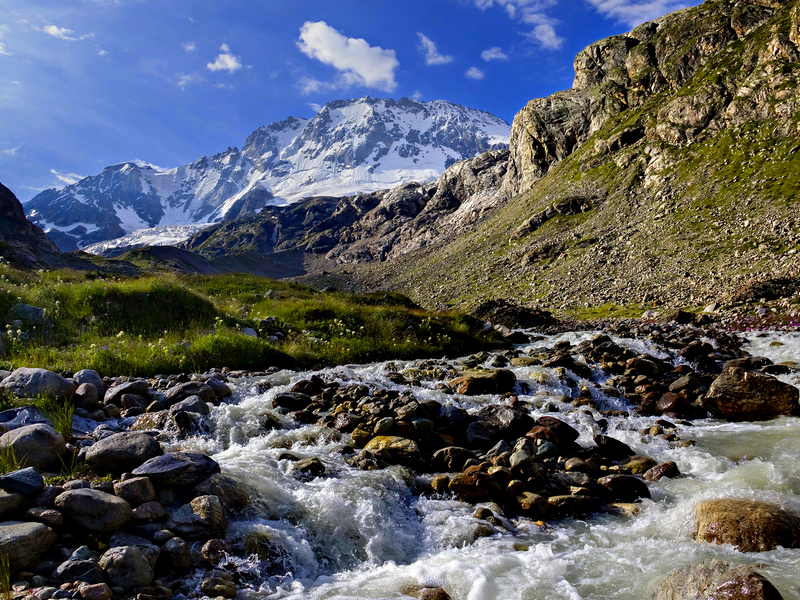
(367, 534)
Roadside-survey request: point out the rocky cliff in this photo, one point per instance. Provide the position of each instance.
(21, 242)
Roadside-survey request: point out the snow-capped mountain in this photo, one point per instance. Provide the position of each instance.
(350, 146)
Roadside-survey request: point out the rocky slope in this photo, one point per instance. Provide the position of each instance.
(21, 242)
(349, 146)
(667, 174)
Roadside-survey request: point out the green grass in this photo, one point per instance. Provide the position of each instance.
(5, 576)
(172, 324)
(8, 464)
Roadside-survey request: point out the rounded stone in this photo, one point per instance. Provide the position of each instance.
(749, 525)
(127, 567)
(122, 452)
(24, 543)
(32, 383)
(395, 450)
(94, 510)
(38, 445)
(716, 579)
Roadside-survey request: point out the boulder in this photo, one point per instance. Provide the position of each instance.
(741, 395)
(308, 468)
(749, 525)
(94, 510)
(127, 567)
(178, 469)
(292, 401)
(79, 569)
(135, 491)
(202, 518)
(29, 315)
(510, 422)
(193, 404)
(31, 383)
(667, 469)
(122, 452)
(86, 397)
(623, 488)
(95, 591)
(395, 450)
(474, 382)
(24, 543)
(481, 435)
(150, 551)
(27, 482)
(474, 486)
(9, 502)
(716, 580)
(114, 394)
(175, 556)
(218, 586)
(38, 445)
(182, 391)
(609, 447)
(221, 389)
(451, 459)
(90, 377)
(233, 494)
(571, 506)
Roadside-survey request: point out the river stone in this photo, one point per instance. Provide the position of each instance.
(566, 433)
(24, 543)
(481, 435)
(624, 488)
(474, 382)
(667, 469)
(451, 459)
(86, 397)
(433, 593)
(150, 551)
(511, 423)
(79, 569)
(9, 502)
(474, 486)
(178, 469)
(91, 377)
(308, 468)
(182, 391)
(127, 567)
(95, 591)
(31, 383)
(232, 493)
(39, 446)
(750, 525)
(175, 556)
(122, 452)
(740, 395)
(152, 421)
(221, 389)
(27, 482)
(114, 394)
(202, 518)
(193, 404)
(292, 401)
(570, 506)
(94, 510)
(612, 448)
(218, 586)
(639, 465)
(716, 580)
(136, 490)
(395, 450)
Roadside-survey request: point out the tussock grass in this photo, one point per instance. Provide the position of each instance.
(8, 464)
(172, 324)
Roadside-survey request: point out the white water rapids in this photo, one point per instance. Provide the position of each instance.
(365, 534)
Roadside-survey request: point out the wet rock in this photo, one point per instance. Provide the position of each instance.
(178, 469)
(741, 395)
(667, 469)
(221, 389)
(182, 391)
(202, 518)
(32, 383)
(39, 446)
(135, 491)
(213, 551)
(94, 591)
(193, 404)
(612, 448)
(77, 569)
(474, 486)
(510, 422)
(395, 450)
(481, 435)
(565, 433)
(94, 510)
(716, 580)
(149, 511)
(308, 468)
(175, 556)
(150, 551)
(152, 421)
(474, 382)
(114, 394)
(24, 543)
(577, 464)
(126, 567)
(624, 488)
(233, 494)
(122, 452)
(431, 593)
(750, 525)
(451, 459)
(638, 465)
(27, 482)
(218, 586)
(570, 506)
(292, 401)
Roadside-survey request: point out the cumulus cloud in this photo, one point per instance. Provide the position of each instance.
(225, 61)
(494, 53)
(632, 13)
(432, 55)
(189, 46)
(66, 178)
(188, 79)
(532, 12)
(63, 33)
(475, 73)
(358, 63)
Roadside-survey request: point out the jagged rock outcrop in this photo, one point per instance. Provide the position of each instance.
(21, 241)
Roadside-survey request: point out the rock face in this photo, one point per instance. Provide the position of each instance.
(30, 383)
(716, 579)
(21, 241)
(741, 395)
(749, 525)
(38, 446)
(24, 543)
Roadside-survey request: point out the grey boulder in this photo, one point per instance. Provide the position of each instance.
(37, 445)
(122, 452)
(94, 510)
(178, 469)
(30, 383)
(127, 567)
(202, 518)
(24, 543)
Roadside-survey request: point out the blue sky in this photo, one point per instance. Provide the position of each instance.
(89, 83)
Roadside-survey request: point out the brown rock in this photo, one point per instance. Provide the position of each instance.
(476, 382)
(716, 580)
(740, 395)
(750, 525)
(667, 469)
(395, 450)
(474, 486)
(94, 591)
(433, 594)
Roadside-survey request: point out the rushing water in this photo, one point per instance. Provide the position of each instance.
(366, 534)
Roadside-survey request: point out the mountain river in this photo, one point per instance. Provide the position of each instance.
(367, 534)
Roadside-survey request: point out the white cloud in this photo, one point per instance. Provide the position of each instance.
(188, 79)
(533, 12)
(633, 13)
(224, 86)
(140, 163)
(3, 50)
(102, 53)
(63, 33)
(475, 73)
(225, 61)
(417, 95)
(432, 56)
(310, 86)
(66, 178)
(358, 63)
(494, 53)
(12, 151)
(315, 107)
(189, 46)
